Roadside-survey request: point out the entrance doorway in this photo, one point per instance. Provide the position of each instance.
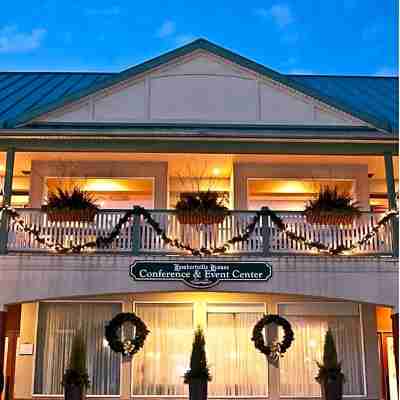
(389, 379)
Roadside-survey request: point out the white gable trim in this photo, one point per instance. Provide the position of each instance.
(166, 70)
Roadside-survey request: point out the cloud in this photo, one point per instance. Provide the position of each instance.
(168, 28)
(105, 12)
(14, 41)
(280, 13)
(387, 71)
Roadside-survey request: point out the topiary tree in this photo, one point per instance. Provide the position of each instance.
(198, 360)
(76, 378)
(330, 375)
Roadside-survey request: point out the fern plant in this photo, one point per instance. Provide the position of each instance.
(70, 200)
(331, 200)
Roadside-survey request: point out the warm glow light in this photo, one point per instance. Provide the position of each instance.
(216, 171)
(312, 343)
(103, 185)
(293, 187)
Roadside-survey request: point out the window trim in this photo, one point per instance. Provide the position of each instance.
(363, 360)
(134, 304)
(38, 303)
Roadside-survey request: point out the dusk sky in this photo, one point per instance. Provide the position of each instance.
(352, 37)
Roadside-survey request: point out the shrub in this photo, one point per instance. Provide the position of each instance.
(198, 360)
(76, 373)
(331, 368)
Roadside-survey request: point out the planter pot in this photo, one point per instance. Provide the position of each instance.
(198, 389)
(193, 218)
(74, 392)
(329, 218)
(72, 216)
(332, 389)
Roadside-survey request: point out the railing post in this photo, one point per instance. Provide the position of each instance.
(265, 232)
(391, 191)
(136, 237)
(7, 193)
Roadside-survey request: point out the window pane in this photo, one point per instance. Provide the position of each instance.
(159, 367)
(57, 325)
(237, 368)
(307, 348)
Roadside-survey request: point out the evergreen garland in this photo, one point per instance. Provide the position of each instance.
(104, 241)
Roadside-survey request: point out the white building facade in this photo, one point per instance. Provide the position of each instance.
(198, 119)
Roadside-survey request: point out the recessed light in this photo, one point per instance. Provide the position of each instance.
(216, 171)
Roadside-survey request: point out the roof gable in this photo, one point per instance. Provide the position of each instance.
(60, 90)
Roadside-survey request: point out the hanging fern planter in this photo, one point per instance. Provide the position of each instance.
(332, 208)
(72, 215)
(73, 205)
(329, 218)
(201, 208)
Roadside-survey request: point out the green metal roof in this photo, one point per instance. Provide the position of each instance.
(26, 95)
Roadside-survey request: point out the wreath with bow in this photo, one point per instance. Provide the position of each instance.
(275, 350)
(130, 346)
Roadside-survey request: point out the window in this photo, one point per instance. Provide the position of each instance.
(310, 322)
(159, 367)
(237, 368)
(57, 325)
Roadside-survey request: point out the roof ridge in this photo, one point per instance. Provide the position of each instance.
(60, 72)
(342, 76)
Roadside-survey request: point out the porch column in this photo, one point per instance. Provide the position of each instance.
(7, 193)
(391, 191)
(395, 332)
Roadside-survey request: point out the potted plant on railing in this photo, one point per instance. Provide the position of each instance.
(76, 378)
(198, 376)
(332, 207)
(201, 208)
(70, 205)
(330, 375)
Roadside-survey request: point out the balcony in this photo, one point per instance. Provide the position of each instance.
(137, 237)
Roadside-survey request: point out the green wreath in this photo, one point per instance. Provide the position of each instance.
(131, 346)
(276, 350)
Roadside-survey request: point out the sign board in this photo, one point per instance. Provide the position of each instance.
(25, 349)
(200, 274)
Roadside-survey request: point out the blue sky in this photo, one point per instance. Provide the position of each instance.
(356, 37)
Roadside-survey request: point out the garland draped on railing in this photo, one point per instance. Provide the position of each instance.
(104, 241)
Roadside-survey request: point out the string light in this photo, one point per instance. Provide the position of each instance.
(103, 241)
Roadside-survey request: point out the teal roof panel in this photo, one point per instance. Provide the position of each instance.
(25, 95)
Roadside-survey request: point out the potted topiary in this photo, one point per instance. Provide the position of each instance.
(332, 208)
(330, 375)
(201, 208)
(76, 378)
(70, 205)
(198, 376)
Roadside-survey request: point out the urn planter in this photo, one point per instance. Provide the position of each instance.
(332, 389)
(74, 392)
(198, 389)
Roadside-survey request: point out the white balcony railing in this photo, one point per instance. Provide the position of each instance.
(266, 239)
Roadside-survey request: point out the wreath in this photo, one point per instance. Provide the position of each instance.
(275, 350)
(131, 346)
